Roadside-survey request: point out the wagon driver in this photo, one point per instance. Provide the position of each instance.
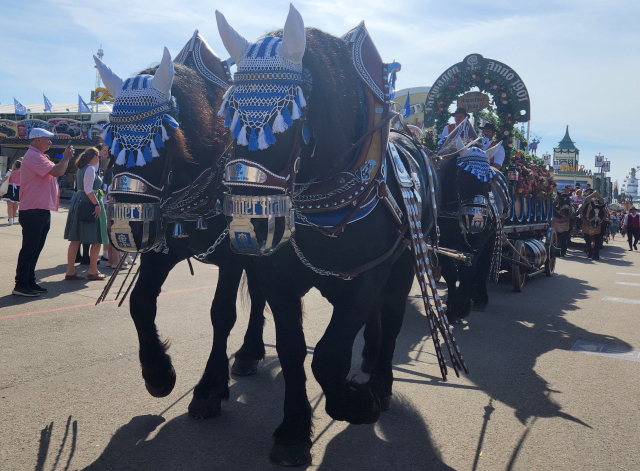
(489, 131)
(459, 115)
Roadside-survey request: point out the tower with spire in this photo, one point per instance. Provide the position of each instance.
(566, 152)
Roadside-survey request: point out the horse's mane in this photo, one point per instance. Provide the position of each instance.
(199, 139)
(447, 168)
(335, 103)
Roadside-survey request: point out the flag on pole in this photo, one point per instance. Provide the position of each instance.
(47, 103)
(19, 108)
(82, 106)
(407, 106)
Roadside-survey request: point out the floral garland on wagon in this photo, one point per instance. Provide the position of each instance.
(486, 82)
(533, 179)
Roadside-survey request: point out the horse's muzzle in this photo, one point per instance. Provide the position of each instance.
(135, 227)
(259, 225)
(474, 213)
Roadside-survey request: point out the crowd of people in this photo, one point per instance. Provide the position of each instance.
(33, 186)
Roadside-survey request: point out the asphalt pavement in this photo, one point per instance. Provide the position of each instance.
(553, 383)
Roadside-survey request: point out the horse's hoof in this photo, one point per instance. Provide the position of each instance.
(243, 367)
(358, 406)
(165, 389)
(201, 408)
(453, 320)
(367, 365)
(290, 455)
(479, 306)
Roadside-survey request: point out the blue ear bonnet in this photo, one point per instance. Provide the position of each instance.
(266, 86)
(136, 127)
(476, 162)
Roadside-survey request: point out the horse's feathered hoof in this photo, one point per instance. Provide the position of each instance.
(291, 455)
(165, 389)
(479, 306)
(385, 402)
(203, 408)
(242, 367)
(357, 405)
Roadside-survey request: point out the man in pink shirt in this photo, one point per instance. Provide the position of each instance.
(39, 195)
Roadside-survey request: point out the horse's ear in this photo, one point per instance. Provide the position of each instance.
(462, 149)
(491, 152)
(109, 78)
(294, 40)
(233, 42)
(163, 79)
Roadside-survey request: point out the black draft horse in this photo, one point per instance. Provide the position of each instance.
(466, 285)
(565, 218)
(336, 120)
(594, 216)
(192, 148)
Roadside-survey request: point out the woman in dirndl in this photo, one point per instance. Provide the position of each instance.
(89, 185)
(613, 225)
(12, 197)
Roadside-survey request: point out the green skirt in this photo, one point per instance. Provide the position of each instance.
(86, 232)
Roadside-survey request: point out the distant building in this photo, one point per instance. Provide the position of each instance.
(417, 99)
(567, 170)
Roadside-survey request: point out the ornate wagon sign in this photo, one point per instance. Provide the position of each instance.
(508, 91)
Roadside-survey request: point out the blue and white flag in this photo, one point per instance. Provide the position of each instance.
(407, 106)
(47, 103)
(19, 108)
(82, 106)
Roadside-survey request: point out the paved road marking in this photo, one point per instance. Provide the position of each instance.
(93, 303)
(613, 351)
(621, 300)
(629, 274)
(626, 283)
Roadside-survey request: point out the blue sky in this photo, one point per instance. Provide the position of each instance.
(580, 59)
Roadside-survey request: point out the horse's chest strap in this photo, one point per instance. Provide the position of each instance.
(387, 198)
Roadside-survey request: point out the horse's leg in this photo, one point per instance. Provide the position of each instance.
(214, 384)
(460, 305)
(480, 295)
(394, 299)
(597, 246)
(372, 341)
(450, 274)
(252, 350)
(157, 370)
(292, 438)
(346, 400)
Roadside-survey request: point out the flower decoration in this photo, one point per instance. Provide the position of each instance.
(451, 87)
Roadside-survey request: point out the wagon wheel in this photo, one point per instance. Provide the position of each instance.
(550, 245)
(436, 269)
(519, 276)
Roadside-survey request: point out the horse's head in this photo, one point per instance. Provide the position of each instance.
(279, 140)
(153, 155)
(466, 182)
(563, 205)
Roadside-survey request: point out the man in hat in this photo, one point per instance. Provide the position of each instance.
(459, 115)
(489, 131)
(39, 195)
(632, 223)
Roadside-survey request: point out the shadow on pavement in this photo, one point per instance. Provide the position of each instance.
(501, 350)
(240, 438)
(45, 447)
